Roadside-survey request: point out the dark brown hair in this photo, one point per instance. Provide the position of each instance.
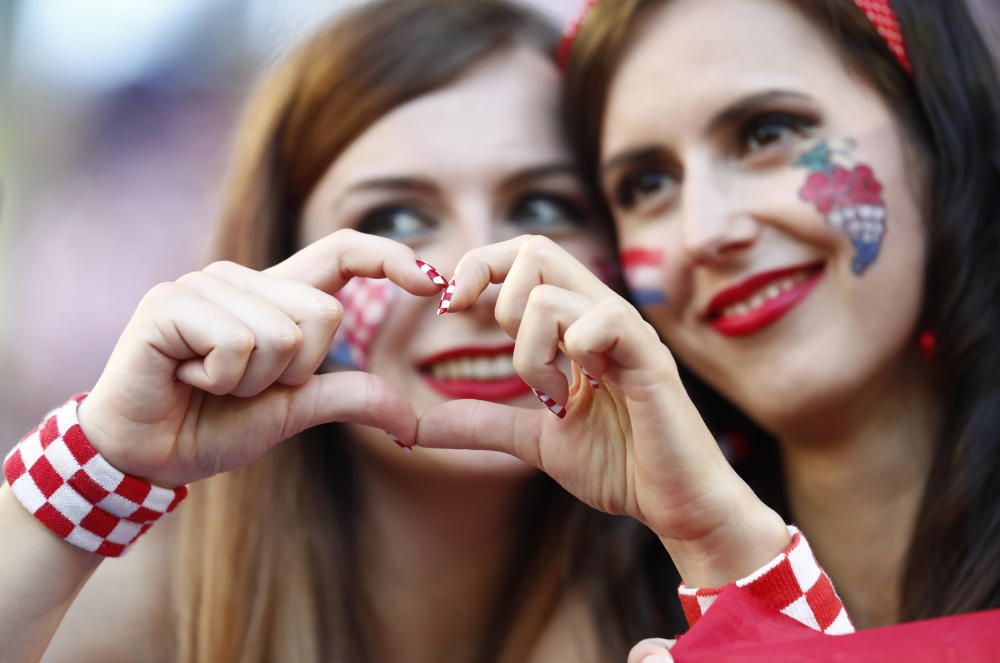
(268, 573)
(950, 109)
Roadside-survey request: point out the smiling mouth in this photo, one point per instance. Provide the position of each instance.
(485, 373)
(761, 300)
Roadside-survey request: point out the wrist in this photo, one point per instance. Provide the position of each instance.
(749, 537)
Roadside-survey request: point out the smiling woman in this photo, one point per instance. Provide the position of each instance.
(369, 162)
(819, 181)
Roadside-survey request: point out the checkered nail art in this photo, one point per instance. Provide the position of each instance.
(446, 296)
(433, 274)
(407, 448)
(593, 383)
(553, 407)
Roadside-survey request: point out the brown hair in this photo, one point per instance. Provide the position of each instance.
(950, 103)
(266, 572)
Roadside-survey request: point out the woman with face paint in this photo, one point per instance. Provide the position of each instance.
(806, 201)
(409, 131)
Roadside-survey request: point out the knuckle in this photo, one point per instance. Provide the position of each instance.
(221, 267)
(287, 341)
(543, 298)
(162, 292)
(535, 246)
(240, 341)
(329, 311)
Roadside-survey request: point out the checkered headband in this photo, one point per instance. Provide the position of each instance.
(879, 12)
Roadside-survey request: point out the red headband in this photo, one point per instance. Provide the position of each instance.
(879, 12)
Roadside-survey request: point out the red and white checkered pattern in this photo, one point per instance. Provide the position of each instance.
(366, 303)
(446, 296)
(879, 12)
(431, 273)
(792, 583)
(64, 482)
(553, 406)
(883, 17)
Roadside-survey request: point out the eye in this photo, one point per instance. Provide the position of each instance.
(547, 211)
(772, 130)
(397, 222)
(643, 186)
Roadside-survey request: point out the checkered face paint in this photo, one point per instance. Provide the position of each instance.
(849, 197)
(366, 305)
(644, 276)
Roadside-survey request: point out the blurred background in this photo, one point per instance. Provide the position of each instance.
(115, 123)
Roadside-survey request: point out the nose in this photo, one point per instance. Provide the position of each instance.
(716, 223)
(476, 224)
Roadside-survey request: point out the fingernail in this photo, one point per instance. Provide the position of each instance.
(433, 274)
(593, 383)
(407, 448)
(553, 407)
(658, 658)
(446, 296)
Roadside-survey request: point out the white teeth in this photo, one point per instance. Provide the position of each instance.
(770, 292)
(482, 369)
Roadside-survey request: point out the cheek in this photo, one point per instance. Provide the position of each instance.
(366, 306)
(847, 193)
(646, 275)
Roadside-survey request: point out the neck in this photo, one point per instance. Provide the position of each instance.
(855, 489)
(433, 541)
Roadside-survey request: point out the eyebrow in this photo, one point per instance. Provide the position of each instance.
(427, 187)
(732, 113)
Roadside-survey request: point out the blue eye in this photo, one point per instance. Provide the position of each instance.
(547, 211)
(397, 222)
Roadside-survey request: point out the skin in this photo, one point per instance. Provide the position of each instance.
(218, 366)
(838, 379)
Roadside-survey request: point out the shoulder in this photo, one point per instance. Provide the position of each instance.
(123, 612)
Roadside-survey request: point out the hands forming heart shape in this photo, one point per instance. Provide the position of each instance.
(219, 366)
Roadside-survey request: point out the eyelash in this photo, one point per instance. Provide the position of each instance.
(785, 122)
(625, 190)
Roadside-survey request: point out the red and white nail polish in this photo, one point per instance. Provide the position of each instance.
(446, 296)
(554, 408)
(431, 273)
(407, 449)
(593, 383)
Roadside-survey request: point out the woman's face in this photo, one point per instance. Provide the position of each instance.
(765, 207)
(478, 161)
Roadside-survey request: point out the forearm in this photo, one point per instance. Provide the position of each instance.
(40, 575)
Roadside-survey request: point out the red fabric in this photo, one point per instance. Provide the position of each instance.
(740, 628)
(792, 584)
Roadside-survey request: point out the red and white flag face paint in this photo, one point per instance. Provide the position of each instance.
(366, 305)
(644, 275)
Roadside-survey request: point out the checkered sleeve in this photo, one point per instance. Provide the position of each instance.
(792, 583)
(60, 478)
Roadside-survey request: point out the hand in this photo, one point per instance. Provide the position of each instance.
(636, 445)
(652, 650)
(217, 367)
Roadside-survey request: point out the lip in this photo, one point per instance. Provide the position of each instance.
(499, 390)
(767, 313)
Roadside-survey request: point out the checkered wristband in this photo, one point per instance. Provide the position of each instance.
(792, 583)
(61, 478)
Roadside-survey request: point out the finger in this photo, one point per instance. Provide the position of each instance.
(651, 650)
(330, 262)
(613, 332)
(277, 338)
(474, 424)
(350, 397)
(549, 311)
(520, 264)
(212, 345)
(316, 313)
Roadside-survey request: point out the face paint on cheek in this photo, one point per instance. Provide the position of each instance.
(366, 305)
(644, 276)
(849, 198)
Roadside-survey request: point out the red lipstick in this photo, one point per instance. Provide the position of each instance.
(487, 389)
(767, 312)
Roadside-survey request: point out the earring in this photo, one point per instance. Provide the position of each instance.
(928, 344)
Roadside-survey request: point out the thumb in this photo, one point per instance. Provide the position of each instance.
(651, 650)
(474, 424)
(350, 397)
